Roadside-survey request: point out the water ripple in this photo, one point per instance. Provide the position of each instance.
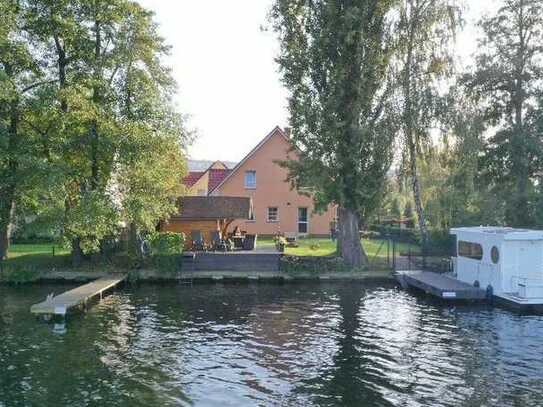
(269, 345)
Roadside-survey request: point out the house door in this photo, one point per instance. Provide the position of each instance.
(303, 224)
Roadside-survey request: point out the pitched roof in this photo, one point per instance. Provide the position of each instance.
(214, 207)
(216, 176)
(191, 178)
(276, 130)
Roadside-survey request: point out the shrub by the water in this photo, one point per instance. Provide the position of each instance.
(18, 274)
(167, 243)
(312, 264)
(166, 248)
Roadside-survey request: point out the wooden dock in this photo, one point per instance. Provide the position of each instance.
(441, 285)
(60, 304)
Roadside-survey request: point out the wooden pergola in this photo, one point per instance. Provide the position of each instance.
(209, 213)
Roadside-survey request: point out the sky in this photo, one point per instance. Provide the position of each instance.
(223, 62)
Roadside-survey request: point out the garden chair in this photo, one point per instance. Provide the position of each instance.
(198, 242)
(217, 243)
(249, 243)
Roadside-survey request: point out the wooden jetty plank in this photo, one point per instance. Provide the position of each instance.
(63, 302)
(442, 285)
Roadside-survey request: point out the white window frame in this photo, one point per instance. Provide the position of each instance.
(306, 222)
(247, 185)
(272, 219)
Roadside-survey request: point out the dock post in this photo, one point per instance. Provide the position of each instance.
(388, 252)
(394, 255)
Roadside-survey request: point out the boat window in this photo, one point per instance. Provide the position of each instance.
(470, 250)
(495, 255)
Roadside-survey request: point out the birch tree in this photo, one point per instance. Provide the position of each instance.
(425, 31)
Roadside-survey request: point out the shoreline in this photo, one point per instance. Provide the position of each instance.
(149, 275)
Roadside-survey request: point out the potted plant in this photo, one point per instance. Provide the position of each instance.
(280, 243)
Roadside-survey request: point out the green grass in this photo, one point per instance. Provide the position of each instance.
(17, 250)
(39, 255)
(375, 248)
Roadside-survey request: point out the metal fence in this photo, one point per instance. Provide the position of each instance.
(402, 254)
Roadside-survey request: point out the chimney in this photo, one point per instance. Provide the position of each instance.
(287, 131)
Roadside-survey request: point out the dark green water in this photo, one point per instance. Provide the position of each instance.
(268, 345)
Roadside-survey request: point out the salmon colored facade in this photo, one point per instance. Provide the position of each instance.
(276, 206)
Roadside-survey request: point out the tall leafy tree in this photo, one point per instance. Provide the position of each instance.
(103, 118)
(507, 82)
(20, 79)
(335, 61)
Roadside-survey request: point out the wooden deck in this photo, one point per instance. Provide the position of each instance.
(441, 285)
(60, 304)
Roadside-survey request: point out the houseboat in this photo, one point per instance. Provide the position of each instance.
(505, 262)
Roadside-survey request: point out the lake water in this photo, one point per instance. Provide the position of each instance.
(268, 345)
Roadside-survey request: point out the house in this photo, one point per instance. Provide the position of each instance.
(207, 214)
(276, 206)
(201, 182)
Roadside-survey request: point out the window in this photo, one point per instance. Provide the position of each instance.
(495, 255)
(470, 250)
(250, 179)
(273, 214)
(302, 220)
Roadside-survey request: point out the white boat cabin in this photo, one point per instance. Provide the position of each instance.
(506, 260)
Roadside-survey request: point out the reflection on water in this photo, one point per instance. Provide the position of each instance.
(290, 345)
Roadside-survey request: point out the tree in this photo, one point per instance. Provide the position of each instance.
(102, 120)
(335, 61)
(425, 29)
(20, 79)
(507, 81)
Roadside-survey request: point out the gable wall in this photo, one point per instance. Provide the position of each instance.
(273, 191)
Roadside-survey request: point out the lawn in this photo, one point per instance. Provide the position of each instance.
(17, 250)
(37, 255)
(375, 248)
(41, 255)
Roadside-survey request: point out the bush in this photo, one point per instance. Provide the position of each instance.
(166, 248)
(19, 275)
(312, 264)
(167, 243)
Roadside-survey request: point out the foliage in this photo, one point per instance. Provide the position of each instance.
(335, 62)
(17, 274)
(167, 248)
(90, 137)
(312, 264)
(425, 30)
(167, 243)
(507, 83)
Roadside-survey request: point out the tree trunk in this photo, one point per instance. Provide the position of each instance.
(7, 213)
(409, 133)
(415, 183)
(350, 247)
(77, 253)
(7, 194)
(133, 244)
